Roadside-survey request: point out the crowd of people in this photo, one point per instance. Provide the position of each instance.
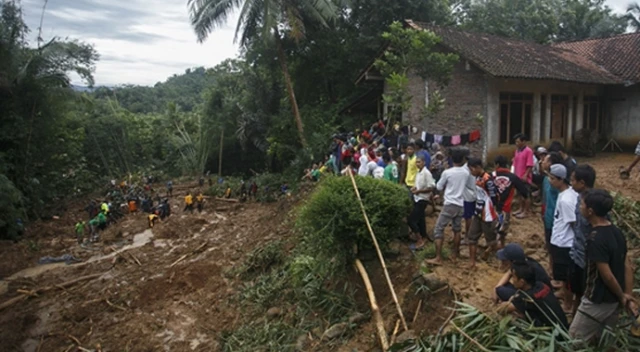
(591, 275)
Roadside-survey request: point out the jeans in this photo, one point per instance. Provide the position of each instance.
(506, 291)
(417, 221)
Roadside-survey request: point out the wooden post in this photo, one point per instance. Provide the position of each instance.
(375, 309)
(220, 155)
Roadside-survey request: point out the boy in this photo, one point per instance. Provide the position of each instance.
(507, 184)
(523, 167)
(391, 170)
(484, 220)
(411, 170)
(80, 231)
(582, 180)
(509, 256)
(153, 217)
(454, 181)
(534, 300)
(421, 195)
(200, 202)
(562, 234)
(469, 195)
(609, 272)
(188, 203)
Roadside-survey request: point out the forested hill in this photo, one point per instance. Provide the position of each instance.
(184, 90)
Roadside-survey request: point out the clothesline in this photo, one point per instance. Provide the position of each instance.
(444, 140)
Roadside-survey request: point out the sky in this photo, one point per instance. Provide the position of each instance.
(141, 41)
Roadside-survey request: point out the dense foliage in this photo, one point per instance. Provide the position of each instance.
(333, 210)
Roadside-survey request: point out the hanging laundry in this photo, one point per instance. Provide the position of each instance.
(446, 141)
(437, 138)
(423, 136)
(474, 136)
(464, 139)
(405, 129)
(455, 140)
(429, 138)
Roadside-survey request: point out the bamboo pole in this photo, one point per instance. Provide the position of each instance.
(380, 257)
(375, 310)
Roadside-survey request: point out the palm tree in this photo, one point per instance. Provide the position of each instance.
(633, 16)
(265, 19)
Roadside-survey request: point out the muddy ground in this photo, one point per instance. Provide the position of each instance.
(170, 289)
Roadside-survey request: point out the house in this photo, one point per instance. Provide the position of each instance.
(504, 86)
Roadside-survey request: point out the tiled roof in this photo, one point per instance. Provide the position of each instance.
(620, 55)
(510, 58)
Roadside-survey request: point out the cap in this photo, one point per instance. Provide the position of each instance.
(512, 252)
(559, 171)
(541, 150)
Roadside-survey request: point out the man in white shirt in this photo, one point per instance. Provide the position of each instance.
(363, 170)
(455, 182)
(424, 186)
(562, 234)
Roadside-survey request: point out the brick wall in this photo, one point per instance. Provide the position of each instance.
(465, 97)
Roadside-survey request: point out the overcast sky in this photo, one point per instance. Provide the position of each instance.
(141, 41)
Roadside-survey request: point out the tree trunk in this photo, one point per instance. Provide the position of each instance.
(220, 155)
(375, 309)
(287, 79)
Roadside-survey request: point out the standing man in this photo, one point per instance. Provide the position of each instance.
(410, 167)
(523, 168)
(506, 184)
(188, 203)
(567, 161)
(170, 188)
(424, 185)
(485, 218)
(636, 160)
(562, 234)
(454, 182)
(420, 151)
(609, 282)
(391, 170)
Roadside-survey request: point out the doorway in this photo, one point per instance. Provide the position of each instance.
(559, 112)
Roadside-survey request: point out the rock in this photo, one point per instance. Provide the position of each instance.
(335, 331)
(406, 336)
(358, 318)
(302, 343)
(274, 312)
(433, 282)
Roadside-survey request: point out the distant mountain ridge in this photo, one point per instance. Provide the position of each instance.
(185, 90)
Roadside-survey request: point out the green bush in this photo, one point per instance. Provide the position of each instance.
(10, 209)
(333, 217)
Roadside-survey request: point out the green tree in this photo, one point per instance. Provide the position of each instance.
(264, 20)
(541, 21)
(633, 16)
(411, 51)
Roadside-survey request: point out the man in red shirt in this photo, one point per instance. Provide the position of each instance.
(506, 184)
(523, 168)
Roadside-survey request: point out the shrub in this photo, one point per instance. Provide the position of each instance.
(10, 209)
(333, 217)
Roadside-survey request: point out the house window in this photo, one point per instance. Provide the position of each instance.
(515, 115)
(591, 114)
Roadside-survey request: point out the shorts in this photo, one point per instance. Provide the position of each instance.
(469, 210)
(591, 318)
(450, 214)
(479, 227)
(561, 262)
(576, 279)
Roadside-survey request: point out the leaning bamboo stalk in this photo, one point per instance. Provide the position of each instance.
(380, 257)
(375, 310)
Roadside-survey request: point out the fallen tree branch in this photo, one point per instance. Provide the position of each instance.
(482, 348)
(380, 257)
(415, 315)
(375, 310)
(197, 250)
(229, 200)
(395, 333)
(63, 285)
(633, 230)
(135, 258)
(115, 306)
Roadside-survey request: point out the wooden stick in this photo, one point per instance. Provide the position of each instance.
(395, 333)
(380, 257)
(415, 315)
(188, 254)
(375, 310)
(114, 306)
(135, 258)
(229, 200)
(72, 338)
(482, 348)
(22, 297)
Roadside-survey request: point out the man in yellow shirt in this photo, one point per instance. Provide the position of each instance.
(200, 201)
(153, 217)
(410, 169)
(188, 201)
